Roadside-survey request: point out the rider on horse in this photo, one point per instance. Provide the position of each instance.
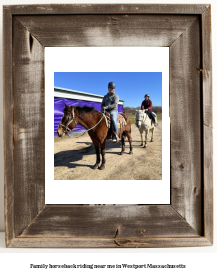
(147, 106)
(110, 103)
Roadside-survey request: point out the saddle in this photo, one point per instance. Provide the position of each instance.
(120, 121)
(149, 115)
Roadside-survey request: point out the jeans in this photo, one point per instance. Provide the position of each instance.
(152, 115)
(114, 117)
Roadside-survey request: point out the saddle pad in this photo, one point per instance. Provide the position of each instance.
(121, 121)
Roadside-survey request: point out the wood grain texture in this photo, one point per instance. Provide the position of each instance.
(186, 128)
(109, 222)
(207, 118)
(107, 30)
(29, 141)
(186, 29)
(106, 9)
(34, 242)
(208, 182)
(8, 127)
(207, 67)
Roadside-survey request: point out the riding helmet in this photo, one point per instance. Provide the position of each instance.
(111, 85)
(147, 95)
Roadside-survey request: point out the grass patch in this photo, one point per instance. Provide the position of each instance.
(159, 117)
(132, 117)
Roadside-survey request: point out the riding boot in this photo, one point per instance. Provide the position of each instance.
(155, 123)
(154, 120)
(115, 138)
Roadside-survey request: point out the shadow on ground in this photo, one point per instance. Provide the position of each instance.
(69, 158)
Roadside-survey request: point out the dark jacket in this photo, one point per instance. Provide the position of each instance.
(146, 104)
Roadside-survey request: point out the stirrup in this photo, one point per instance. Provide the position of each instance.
(115, 140)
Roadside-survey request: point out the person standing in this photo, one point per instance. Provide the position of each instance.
(110, 104)
(147, 106)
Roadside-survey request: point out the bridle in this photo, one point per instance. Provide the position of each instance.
(66, 127)
(73, 120)
(142, 118)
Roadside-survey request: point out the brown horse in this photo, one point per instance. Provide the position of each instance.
(88, 117)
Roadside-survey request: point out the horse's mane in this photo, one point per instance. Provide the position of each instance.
(82, 110)
(85, 109)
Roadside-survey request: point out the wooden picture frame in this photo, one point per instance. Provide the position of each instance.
(186, 30)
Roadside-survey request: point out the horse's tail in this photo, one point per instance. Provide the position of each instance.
(124, 134)
(129, 129)
(128, 125)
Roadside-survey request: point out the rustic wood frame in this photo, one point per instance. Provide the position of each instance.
(188, 220)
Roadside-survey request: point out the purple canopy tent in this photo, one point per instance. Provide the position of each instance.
(75, 98)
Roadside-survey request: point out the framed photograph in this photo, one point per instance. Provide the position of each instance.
(42, 40)
(72, 157)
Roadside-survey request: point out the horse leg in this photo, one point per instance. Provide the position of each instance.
(146, 138)
(152, 136)
(122, 144)
(141, 133)
(102, 166)
(96, 145)
(130, 141)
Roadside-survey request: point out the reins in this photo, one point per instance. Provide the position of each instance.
(73, 119)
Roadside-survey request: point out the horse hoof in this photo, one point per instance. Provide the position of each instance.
(145, 146)
(120, 153)
(95, 166)
(131, 152)
(141, 144)
(102, 167)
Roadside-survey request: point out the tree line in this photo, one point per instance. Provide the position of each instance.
(132, 110)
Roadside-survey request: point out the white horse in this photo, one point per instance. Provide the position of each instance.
(144, 123)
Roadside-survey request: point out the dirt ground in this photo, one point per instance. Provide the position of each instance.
(74, 159)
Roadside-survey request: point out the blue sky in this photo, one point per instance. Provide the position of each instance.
(130, 86)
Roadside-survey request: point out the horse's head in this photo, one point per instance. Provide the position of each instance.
(68, 121)
(139, 117)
